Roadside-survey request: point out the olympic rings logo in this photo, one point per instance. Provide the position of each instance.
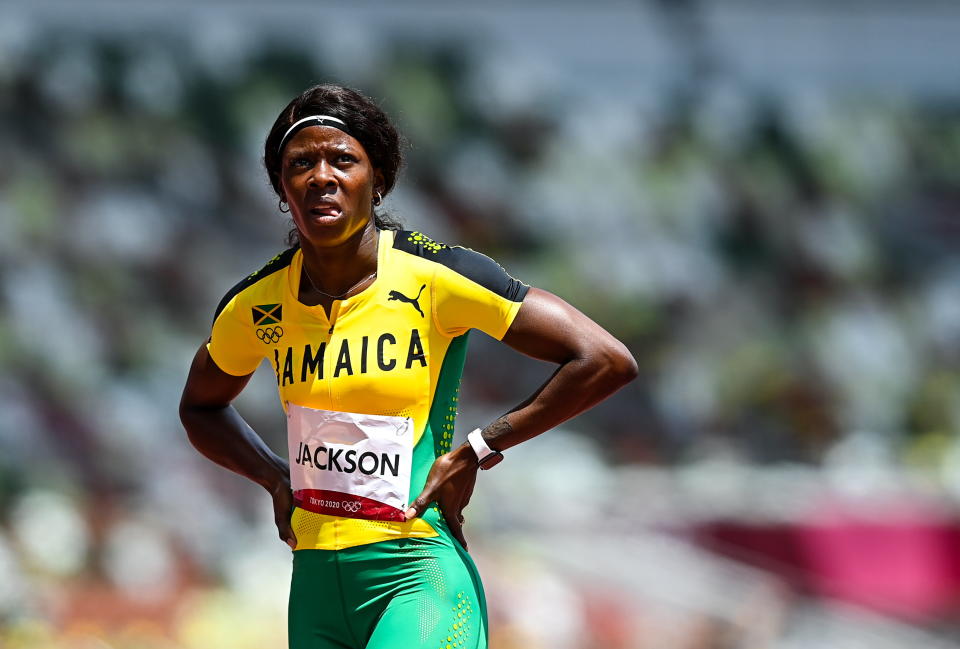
(353, 506)
(269, 335)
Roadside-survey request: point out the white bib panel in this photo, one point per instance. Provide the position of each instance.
(350, 464)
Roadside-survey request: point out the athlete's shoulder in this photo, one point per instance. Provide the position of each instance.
(277, 263)
(472, 265)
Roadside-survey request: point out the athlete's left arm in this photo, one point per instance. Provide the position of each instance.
(592, 366)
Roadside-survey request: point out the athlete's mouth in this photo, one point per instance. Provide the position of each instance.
(326, 208)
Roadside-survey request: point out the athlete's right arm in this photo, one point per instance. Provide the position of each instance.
(218, 431)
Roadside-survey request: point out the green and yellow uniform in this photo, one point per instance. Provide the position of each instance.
(395, 350)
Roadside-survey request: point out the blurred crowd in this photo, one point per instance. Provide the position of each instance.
(783, 267)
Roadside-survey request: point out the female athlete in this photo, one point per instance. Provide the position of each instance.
(365, 326)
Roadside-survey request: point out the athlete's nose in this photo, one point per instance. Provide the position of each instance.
(322, 176)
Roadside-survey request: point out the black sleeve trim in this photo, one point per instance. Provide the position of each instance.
(279, 262)
(473, 265)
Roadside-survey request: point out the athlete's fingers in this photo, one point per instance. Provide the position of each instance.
(436, 477)
(419, 504)
(467, 493)
(286, 533)
(456, 530)
(449, 505)
(460, 496)
(462, 500)
(282, 513)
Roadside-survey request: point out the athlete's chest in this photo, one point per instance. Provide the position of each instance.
(371, 353)
(379, 347)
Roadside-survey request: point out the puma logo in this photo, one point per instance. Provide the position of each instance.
(415, 301)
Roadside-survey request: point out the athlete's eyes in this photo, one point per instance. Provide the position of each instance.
(339, 159)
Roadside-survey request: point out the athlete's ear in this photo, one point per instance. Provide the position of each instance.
(379, 184)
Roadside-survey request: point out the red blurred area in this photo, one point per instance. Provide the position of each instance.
(898, 558)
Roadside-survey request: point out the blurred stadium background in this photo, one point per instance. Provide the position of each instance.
(762, 198)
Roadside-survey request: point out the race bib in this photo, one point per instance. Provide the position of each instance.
(349, 464)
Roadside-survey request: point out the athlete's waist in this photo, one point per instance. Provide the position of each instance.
(316, 531)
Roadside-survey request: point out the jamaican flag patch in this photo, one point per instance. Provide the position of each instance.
(264, 314)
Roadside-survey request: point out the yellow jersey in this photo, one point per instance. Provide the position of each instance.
(396, 348)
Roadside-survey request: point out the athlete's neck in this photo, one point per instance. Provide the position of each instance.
(334, 270)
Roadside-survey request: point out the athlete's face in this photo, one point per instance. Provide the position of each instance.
(329, 182)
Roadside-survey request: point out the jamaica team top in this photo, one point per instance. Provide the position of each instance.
(370, 392)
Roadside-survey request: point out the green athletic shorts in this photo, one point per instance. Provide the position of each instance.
(397, 594)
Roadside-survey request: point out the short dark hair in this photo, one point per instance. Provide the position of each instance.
(366, 121)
